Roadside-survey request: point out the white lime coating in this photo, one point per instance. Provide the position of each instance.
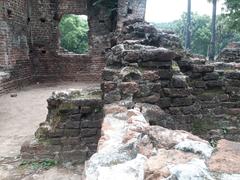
(196, 147)
(193, 170)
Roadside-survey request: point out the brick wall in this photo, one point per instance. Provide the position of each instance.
(72, 129)
(51, 64)
(14, 56)
(172, 89)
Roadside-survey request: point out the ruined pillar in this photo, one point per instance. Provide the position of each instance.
(130, 10)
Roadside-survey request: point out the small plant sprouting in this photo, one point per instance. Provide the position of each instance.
(43, 164)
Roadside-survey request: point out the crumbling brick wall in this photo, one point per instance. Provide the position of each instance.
(29, 46)
(14, 51)
(149, 69)
(48, 62)
(130, 10)
(230, 54)
(72, 128)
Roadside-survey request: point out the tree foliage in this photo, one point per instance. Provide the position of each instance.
(201, 32)
(233, 14)
(74, 33)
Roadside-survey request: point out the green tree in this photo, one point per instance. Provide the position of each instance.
(225, 34)
(233, 14)
(201, 32)
(74, 33)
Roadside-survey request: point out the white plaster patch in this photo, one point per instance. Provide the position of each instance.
(230, 177)
(130, 170)
(193, 170)
(195, 147)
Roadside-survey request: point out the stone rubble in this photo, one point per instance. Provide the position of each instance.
(132, 149)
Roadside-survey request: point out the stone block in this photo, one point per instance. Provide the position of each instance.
(108, 86)
(109, 74)
(176, 92)
(72, 124)
(187, 101)
(151, 75)
(211, 76)
(179, 81)
(71, 132)
(152, 99)
(203, 68)
(129, 87)
(165, 74)
(233, 75)
(91, 124)
(88, 132)
(112, 96)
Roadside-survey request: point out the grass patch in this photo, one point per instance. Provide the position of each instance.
(36, 165)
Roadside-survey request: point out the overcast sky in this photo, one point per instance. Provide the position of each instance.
(169, 10)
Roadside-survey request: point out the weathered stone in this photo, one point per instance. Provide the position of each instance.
(112, 96)
(152, 113)
(226, 158)
(128, 87)
(91, 124)
(149, 99)
(164, 102)
(199, 84)
(213, 84)
(179, 81)
(108, 86)
(88, 132)
(211, 76)
(109, 74)
(174, 92)
(130, 74)
(233, 75)
(187, 101)
(203, 68)
(165, 74)
(151, 75)
(72, 124)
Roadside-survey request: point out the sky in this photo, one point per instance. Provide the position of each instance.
(170, 10)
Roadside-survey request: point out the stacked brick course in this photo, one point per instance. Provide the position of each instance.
(29, 46)
(14, 58)
(72, 128)
(186, 91)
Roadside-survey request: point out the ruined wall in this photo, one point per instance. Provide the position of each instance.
(133, 10)
(49, 62)
(230, 54)
(174, 89)
(29, 46)
(72, 128)
(14, 58)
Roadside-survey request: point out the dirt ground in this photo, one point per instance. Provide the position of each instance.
(20, 117)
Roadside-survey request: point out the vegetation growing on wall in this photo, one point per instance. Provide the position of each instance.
(74, 33)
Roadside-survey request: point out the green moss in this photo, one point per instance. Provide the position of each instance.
(37, 165)
(41, 132)
(98, 109)
(202, 126)
(175, 67)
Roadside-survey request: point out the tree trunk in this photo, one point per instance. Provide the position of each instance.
(188, 30)
(213, 37)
